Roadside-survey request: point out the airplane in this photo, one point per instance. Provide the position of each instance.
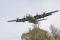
(35, 18)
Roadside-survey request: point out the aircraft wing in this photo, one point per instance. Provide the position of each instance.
(48, 14)
(44, 14)
(53, 11)
(18, 20)
(12, 21)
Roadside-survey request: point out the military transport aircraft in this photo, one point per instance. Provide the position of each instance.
(34, 18)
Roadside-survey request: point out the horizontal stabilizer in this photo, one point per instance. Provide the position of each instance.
(42, 19)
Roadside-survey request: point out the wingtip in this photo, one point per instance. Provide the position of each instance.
(11, 21)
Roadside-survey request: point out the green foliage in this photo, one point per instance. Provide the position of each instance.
(32, 19)
(36, 34)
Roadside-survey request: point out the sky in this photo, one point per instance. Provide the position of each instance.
(12, 9)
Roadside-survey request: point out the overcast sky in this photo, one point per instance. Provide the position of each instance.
(11, 9)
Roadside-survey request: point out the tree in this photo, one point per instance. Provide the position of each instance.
(36, 34)
(32, 19)
(55, 32)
